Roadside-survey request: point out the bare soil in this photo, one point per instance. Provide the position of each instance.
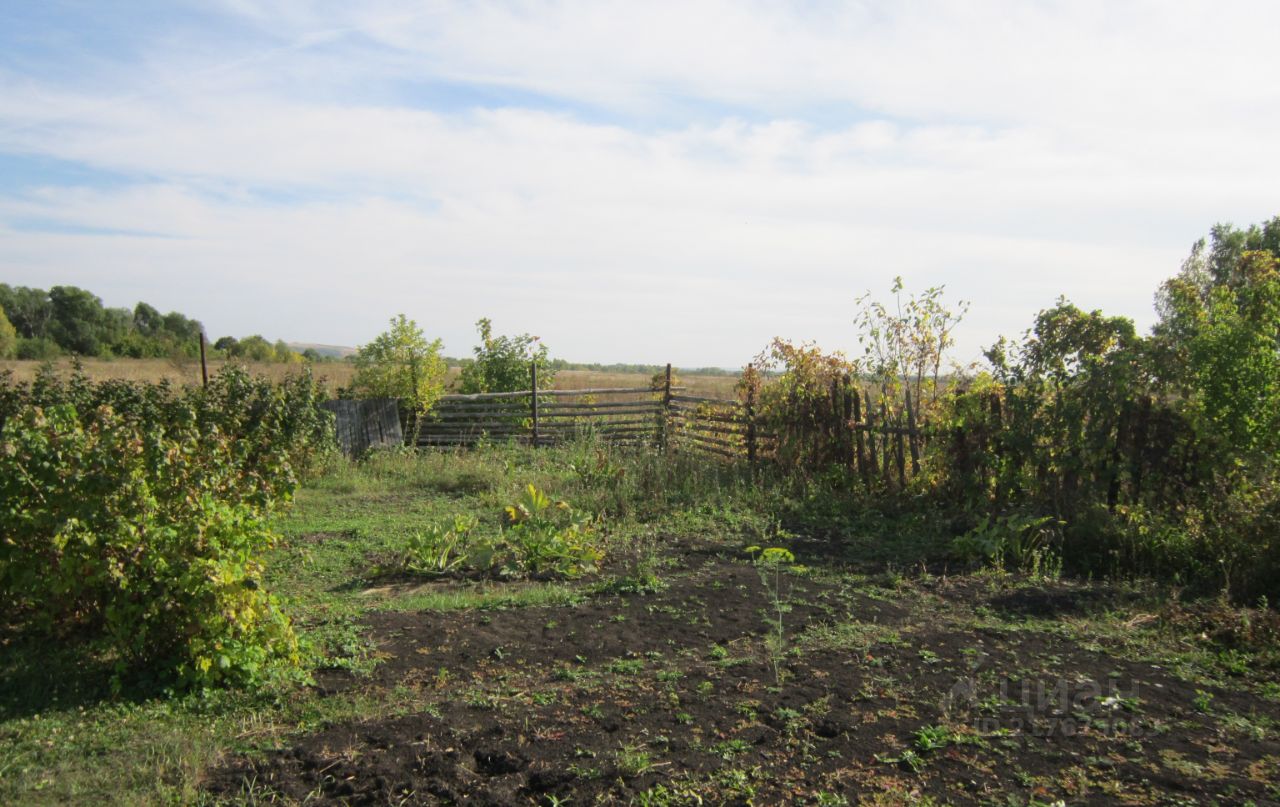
(962, 690)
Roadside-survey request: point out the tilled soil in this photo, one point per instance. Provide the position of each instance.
(676, 697)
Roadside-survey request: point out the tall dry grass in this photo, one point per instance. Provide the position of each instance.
(338, 374)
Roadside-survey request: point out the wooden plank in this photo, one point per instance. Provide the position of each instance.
(863, 469)
(693, 414)
(587, 415)
(846, 421)
(655, 406)
(442, 417)
(598, 423)
(565, 429)
(714, 429)
(912, 435)
(554, 393)
(715, 441)
(874, 463)
(362, 424)
(499, 428)
(482, 406)
(884, 440)
(694, 399)
(533, 398)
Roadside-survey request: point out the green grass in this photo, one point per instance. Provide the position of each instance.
(65, 738)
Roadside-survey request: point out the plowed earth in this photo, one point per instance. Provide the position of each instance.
(970, 690)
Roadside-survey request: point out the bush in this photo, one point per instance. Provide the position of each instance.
(137, 513)
(115, 527)
(502, 363)
(541, 537)
(401, 363)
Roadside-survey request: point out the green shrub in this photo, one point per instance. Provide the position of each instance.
(118, 527)
(136, 513)
(502, 363)
(401, 363)
(448, 549)
(550, 537)
(539, 538)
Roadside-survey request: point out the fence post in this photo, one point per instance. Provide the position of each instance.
(846, 421)
(871, 437)
(886, 445)
(900, 454)
(533, 399)
(751, 426)
(863, 469)
(665, 433)
(204, 367)
(911, 436)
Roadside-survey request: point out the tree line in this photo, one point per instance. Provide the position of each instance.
(45, 324)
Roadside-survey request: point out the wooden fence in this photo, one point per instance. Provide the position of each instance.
(882, 441)
(880, 446)
(361, 425)
(638, 416)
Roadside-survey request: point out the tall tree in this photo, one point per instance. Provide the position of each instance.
(1219, 334)
(8, 337)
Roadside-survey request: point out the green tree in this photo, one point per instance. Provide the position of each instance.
(146, 319)
(254, 348)
(502, 363)
(80, 324)
(8, 337)
(401, 363)
(29, 310)
(286, 354)
(906, 343)
(1218, 337)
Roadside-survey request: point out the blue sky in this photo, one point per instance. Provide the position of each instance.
(663, 181)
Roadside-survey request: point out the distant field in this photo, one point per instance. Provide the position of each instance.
(338, 374)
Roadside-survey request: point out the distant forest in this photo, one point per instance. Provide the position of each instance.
(65, 320)
(70, 321)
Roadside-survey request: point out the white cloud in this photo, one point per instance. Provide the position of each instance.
(1013, 152)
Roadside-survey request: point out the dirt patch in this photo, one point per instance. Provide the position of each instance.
(679, 695)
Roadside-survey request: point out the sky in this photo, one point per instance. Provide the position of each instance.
(632, 182)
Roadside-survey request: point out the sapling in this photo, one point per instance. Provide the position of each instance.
(769, 563)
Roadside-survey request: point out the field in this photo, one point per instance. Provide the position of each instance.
(334, 374)
(867, 672)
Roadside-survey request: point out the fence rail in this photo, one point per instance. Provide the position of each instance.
(880, 447)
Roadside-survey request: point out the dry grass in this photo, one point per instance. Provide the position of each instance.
(709, 385)
(338, 374)
(331, 375)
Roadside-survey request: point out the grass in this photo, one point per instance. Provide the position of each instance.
(66, 739)
(62, 730)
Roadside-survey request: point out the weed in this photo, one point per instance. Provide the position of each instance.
(729, 749)
(908, 760)
(932, 738)
(769, 563)
(626, 666)
(633, 760)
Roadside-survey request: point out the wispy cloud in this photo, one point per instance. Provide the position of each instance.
(642, 181)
